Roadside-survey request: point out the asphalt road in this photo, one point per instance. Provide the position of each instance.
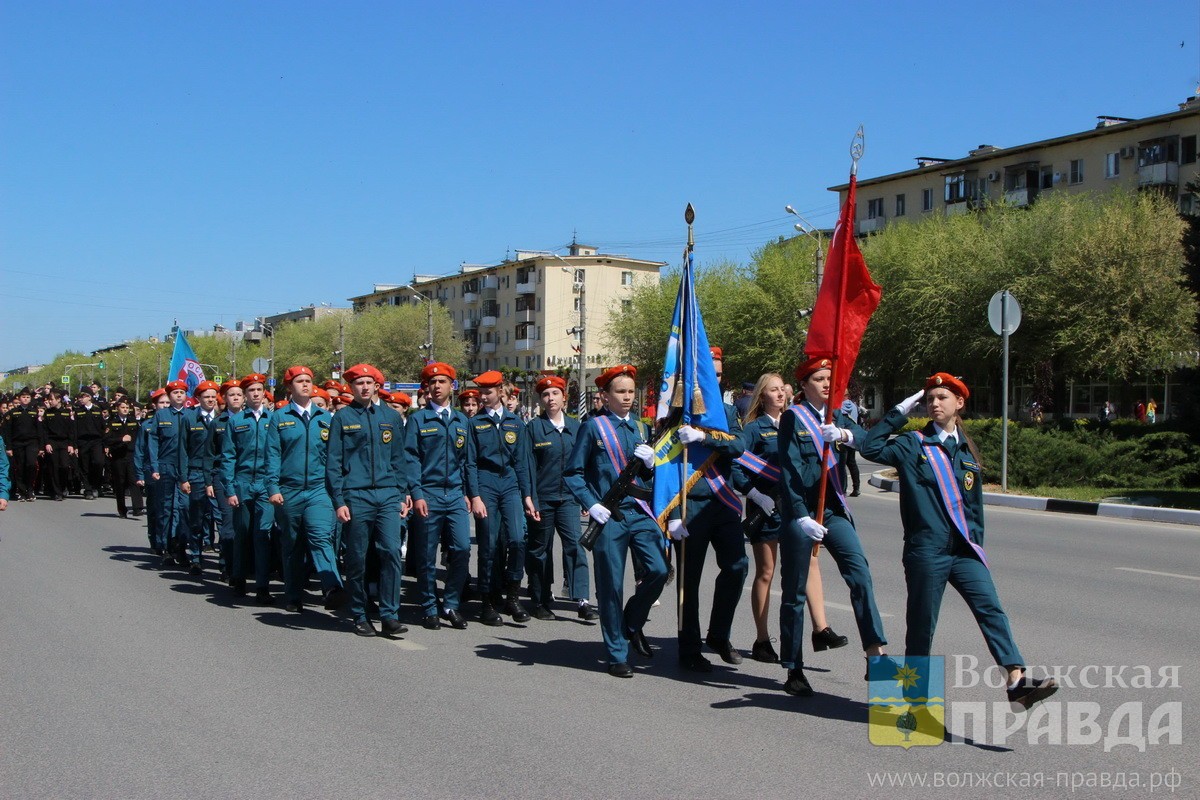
(120, 679)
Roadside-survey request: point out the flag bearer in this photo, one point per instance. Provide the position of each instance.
(244, 475)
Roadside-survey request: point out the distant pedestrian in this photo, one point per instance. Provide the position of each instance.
(1151, 412)
(1139, 411)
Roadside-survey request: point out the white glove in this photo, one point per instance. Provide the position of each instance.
(910, 403)
(645, 453)
(676, 530)
(813, 529)
(832, 433)
(764, 501)
(599, 513)
(690, 435)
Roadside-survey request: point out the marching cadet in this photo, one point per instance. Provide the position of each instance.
(119, 436)
(714, 517)
(802, 435)
(60, 444)
(496, 482)
(166, 459)
(941, 508)
(144, 478)
(24, 437)
(297, 446)
(202, 505)
(233, 400)
(468, 402)
(603, 447)
(549, 440)
(244, 475)
(365, 475)
(756, 475)
(438, 449)
(5, 483)
(89, 438)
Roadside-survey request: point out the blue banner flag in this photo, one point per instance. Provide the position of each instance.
(184, 364)
(690, 385)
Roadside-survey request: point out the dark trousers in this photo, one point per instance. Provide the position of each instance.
(449, 524)
(56, 470)
(715, 524)
(203, 511)
(504, 519)
(121, 472)
(563, 517)
(640, 537)
(849, 462)
(91, 464)
(24, 468)
(374, 523)
(253, 519)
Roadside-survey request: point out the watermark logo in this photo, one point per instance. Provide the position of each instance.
(907, 701)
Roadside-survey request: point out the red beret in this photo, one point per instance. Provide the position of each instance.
(204, 386)
(385, 396)
(176, 385)
(438, 368)
(812, 365)
(251, 379)
(717, 353)
(489, 380)
(362, 371)
(157, 393)
(402, 398)
(467, 394)
(293, 372)
(331, 384)
(347, 397)
(280, 403)
(227, 385)
(321, 393)
(948, 381)
(549, 381)
(606, 377)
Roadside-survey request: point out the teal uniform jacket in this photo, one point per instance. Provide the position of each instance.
(296, 452)
(166, 450)
(760, 437)
(366, 451)
(926, 523)
(219, 432)
(727, 449)
(141, 451)
(499, 462)
(437, 453)
(198, 439)
(546, 455)
(5, 482)
(244, 450)
(802, 469)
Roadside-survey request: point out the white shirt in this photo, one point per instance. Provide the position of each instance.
(943, 435)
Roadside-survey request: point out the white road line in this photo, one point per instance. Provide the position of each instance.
(1161, 574)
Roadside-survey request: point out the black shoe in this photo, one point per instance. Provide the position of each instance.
(238, 585)
(364, 628)
(621, 670)
(640, 644)
(513, 607)
(124, 515)
(455, 618)
(826, 639)
(335, 598)
(393, 627)
(695, 663)
(725, 650)
(59, 498)
(294, 608)
(764, 651)
(431, 622)
(1029, 691)
(796, 684)
(541, 612)
(489, 616)
(855, 492)
(89, 495)
(195, 569)
(263, 598)
(588, 612)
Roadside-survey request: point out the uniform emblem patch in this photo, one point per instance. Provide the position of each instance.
(969, 481)
(387, 437)
(460, 441)
(510, 437)
(324, 434)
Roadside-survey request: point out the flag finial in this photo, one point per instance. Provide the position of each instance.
(858, 146)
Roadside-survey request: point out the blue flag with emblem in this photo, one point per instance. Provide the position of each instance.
(689, 385)
(184, 364)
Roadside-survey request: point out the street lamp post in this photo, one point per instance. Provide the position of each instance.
(429, 332)
(812, 232)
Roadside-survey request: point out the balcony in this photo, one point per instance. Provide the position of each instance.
(1164, 174)
(528, 315)
(470, 323)
(961, 207)
(487, 347)
(870, 225)
(491, 282)
(1020, 197)
(488, 322)
(527, 287)
(525, 344)
(470, 297)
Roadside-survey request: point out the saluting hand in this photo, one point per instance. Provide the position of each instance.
(909, 403)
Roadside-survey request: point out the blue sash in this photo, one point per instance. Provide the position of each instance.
(952, 499)
(616, 454)
(809, 420)
(722, 490)
(759, 466)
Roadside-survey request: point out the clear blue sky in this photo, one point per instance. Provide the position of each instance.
(216, 161)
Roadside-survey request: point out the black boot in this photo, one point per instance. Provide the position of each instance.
(488, 614)
(512, 605)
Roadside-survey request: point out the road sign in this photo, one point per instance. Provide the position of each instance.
(260, 365)
(100, 365)
(66, 380)
(271, 382)
(408, 388)
(1004, 306)
(218, 379)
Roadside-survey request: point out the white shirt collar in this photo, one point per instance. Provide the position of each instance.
(943, 435)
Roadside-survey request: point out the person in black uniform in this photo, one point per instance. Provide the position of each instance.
(24, 437)
(119, 437)
(60, 445)
(89, 433)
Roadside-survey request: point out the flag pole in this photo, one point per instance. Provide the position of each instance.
(857, 146)
(689, 216)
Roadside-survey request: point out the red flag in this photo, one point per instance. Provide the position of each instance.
(845, 303)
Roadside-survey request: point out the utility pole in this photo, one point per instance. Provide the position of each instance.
(341, 346)
(233, 354)
(429, 320)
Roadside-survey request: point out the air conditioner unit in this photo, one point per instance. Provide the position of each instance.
(994, 175)
(1128, 152)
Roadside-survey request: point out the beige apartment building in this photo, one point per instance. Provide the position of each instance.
(526, 312)
(1154, 153)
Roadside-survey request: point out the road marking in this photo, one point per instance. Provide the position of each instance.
(404, 644)
(1161, 574)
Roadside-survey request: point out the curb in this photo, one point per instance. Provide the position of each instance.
(1181, 516)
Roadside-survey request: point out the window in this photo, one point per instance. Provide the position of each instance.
(1046, 177)
(1112, 165)
(927, 199)
(1187, 150)
(1076, 175)
(1158, 151)
(525, 303)
(525, 330)
(959, 188)
(875, 208)
(627, 278)
(899, 205)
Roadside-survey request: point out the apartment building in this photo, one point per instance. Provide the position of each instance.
(1154, 153)
(536, 311)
